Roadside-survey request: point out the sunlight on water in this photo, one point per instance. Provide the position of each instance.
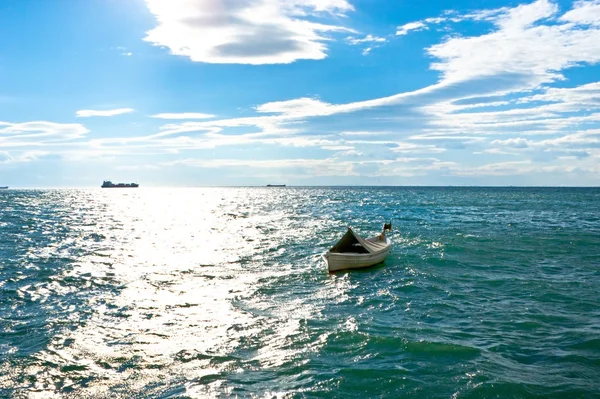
(176, 270)
(165, 309)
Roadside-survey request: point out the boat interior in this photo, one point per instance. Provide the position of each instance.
(349, 244)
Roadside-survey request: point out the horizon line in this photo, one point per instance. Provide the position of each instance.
(299, 186)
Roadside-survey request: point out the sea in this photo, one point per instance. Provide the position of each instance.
(223, 293)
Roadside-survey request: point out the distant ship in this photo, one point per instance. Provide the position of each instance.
(275, 185)
(3, 187)
(109, 184)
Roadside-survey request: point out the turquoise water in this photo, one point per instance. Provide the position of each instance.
(221, 292)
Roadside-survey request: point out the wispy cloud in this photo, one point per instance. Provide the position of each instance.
(572, 98)
(367, 39)
(451, 16)
(520, 44)
(372, 42)
(7, 158)
(338, 147)
(86, 113)
(138, 167)
(362, 133)
(32, 141)
(26, 133)
(245, 32)
(584, 13)
(315, 167)
(183, 115)
(334, 166)
(411, 148)
(411, 26)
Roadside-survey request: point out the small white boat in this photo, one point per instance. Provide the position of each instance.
(355, 252)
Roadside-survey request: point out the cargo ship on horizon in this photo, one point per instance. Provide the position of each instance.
(109, 184)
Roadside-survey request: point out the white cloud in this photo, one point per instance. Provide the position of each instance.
(445, 138)
(435, 20)
(527, 49)
(409, 167)
(245, 32)
(300, 107)
(30, 141)
(404, 166)
(521, 46)
(580, 140)
(362, 133)
(587, 95)
(367, 39)
(137, 167)
(561, 108)
(316, 167)
(40, 129)
(481, 15)
(21, 157)
(579, 150)
(338, 147)
(453, 17)
(525, 15)
(525, 167)
(85, 113)
(410, 148)
(584, 13)
(350, 153)
(183, 115)
(498, 169)
(411, 26)
(372, 41)
(517, 142)
(528, 40)
(309, 107)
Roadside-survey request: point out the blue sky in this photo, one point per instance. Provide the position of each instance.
(313, 92)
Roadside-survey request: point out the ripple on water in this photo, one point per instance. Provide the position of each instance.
(215, 292)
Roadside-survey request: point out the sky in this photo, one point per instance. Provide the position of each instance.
(299, 92)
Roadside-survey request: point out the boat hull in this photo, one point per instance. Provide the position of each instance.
(348, 261)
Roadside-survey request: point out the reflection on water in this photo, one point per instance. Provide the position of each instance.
(222, 292)
(181, 284)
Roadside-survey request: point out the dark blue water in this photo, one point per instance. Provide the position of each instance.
(221, 292)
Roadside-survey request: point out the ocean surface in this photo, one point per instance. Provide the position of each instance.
(222, 292)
